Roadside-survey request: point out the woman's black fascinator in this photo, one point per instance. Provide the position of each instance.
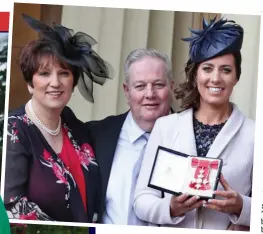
(215, 39)
(76, 50)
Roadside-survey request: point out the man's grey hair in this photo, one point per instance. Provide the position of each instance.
(138, 54)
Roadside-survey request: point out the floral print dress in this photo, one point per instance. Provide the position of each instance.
(38, 183)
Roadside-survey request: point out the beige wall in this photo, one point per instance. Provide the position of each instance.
(245, 92)
(119, 31)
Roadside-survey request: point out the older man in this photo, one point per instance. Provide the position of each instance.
(119, 141)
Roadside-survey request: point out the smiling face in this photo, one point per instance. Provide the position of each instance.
(216, 79)
(52, 85)
(148, 90)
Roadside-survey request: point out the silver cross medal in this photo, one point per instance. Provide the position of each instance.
(200, 179)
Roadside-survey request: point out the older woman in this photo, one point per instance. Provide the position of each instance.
(209, 125)
(51, 171)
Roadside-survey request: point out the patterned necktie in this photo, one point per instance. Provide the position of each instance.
(132, 218)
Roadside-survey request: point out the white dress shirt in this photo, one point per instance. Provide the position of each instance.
(119, 209)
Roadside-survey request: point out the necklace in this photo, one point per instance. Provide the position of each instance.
(38, 121)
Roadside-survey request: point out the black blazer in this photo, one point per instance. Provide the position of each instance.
(104, 138)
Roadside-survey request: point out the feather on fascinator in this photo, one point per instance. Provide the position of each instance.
(76, 50)
(216, 38)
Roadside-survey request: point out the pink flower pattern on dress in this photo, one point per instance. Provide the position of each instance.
(26, 210)
(58, 170)
(12, 131)
(85, 152)
(14, 136)
(27, 120)
(86, 157)
(29, 216)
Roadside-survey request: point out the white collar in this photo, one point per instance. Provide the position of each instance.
(133, 131)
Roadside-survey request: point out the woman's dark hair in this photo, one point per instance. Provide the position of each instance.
(187, 90)
(31, 56)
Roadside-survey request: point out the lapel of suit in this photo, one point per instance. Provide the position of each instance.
(110, 139)
(229, 131)
(185, 140)
(105, 150)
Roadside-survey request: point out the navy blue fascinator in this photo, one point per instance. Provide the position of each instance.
(216, 38)
(76, 50)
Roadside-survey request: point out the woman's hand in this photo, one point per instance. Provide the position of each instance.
(182, 204)
(232, 202)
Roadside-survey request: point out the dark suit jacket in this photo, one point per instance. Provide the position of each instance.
(104, 137)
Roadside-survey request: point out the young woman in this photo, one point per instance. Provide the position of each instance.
(209, 125)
